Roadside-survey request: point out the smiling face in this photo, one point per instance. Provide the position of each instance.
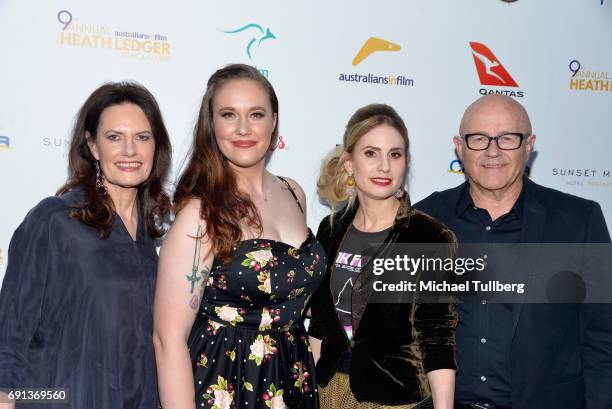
(243, 122)
(378, 162)
(493, 169)
(124, 145)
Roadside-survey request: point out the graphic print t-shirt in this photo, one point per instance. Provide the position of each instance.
(353, 255)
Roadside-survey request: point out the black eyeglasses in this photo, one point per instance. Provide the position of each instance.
(507, 141)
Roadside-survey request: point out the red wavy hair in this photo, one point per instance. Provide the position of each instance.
(209, 177)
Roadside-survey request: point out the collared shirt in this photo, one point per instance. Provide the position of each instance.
(484, 332)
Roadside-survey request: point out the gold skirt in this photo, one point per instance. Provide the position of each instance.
(337, 395)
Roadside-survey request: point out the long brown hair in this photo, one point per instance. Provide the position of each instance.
(331, 185)
(97, 210)
(208, 175)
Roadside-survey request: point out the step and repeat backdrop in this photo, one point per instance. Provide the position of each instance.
(325, 59)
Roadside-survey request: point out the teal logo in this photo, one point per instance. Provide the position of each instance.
(258, 36)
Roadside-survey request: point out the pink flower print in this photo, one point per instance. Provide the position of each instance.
(231, 354)
(268, 317)
(258, 259)
(293, 252)
(300, 376)
(229, 314)
(213, 327)
(220, 395)
(262, 349)
(202, 361)
(221, 283)
(310, 268)
(266, 284)
(274, 398)
(295, 293)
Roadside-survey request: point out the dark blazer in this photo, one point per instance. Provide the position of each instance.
(561, 354)
(395, 344)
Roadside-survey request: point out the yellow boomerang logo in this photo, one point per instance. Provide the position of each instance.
(372, 45)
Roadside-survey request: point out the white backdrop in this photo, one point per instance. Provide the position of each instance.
(55, 53)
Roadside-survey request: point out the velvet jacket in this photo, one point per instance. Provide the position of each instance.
(395, 344)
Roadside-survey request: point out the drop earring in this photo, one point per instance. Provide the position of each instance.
(100, 180)
(350, 185)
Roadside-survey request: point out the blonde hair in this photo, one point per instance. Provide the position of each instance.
(331, 185)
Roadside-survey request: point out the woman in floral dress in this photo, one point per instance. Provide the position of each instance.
(238, 264)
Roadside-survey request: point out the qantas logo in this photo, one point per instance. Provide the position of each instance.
(490, 69)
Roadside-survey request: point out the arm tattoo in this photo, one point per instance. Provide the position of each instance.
(194, 278)
(195, 300)
(194, 303)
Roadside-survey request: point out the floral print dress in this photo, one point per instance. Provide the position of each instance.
(248, 345)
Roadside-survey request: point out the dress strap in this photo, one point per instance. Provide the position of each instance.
(292, 193)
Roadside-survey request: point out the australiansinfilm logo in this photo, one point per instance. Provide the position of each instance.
(151, 46)
(492, 74)
(254, 36)
(380, 48)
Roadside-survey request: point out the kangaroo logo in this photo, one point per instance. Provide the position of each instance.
(259, 36)
(490, 69)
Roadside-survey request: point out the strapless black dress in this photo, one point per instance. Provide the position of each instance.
(248, 345)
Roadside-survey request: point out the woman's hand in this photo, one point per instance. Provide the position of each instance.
(442, 382)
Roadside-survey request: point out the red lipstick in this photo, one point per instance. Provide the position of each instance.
(243, 143)
(381, 181)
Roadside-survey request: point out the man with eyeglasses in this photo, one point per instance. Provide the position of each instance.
(520, 355)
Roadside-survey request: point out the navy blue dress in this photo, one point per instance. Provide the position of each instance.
(76, 311)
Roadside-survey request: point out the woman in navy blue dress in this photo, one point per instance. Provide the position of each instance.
(76, 300)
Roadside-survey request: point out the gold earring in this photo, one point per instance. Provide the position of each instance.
(350, 185)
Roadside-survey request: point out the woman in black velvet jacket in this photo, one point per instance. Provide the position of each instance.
(394, 354)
